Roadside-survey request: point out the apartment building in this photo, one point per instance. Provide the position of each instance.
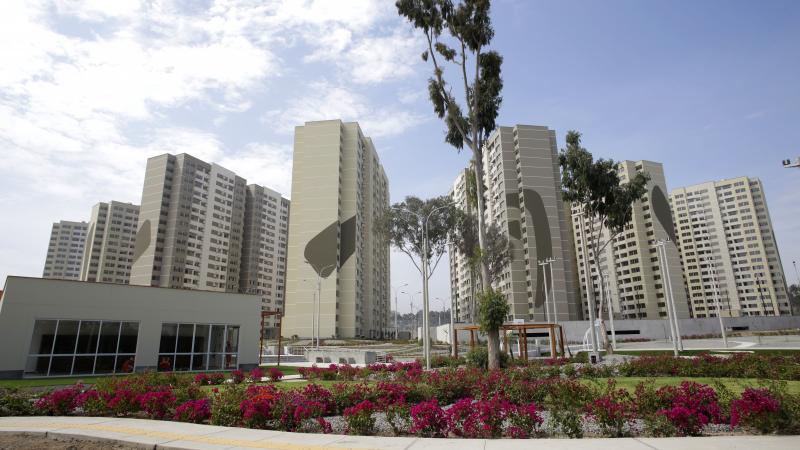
(523, 200)
(464, 284)
(339, 189)
(630, 264)
(266, 232)
(728, 249)
(65, 250)
(191, 225)
(108, 254)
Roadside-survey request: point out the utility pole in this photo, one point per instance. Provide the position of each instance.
(396, 311)
(589, 289)
(550, 261)
(719, 304)
(543, 264)
(670, 312)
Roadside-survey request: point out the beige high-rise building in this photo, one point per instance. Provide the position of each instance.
(110, 239)
(266, 231)
(523, 200)
(64, 253)
(339, 189)
(728, 248)
(630, 264)
(464, 284)
(190, 225)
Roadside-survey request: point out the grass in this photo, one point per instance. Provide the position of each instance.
(287, 370)
(771, 352)
(736, 385)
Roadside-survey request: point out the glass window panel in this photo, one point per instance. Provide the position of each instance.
(232, 340)
(201, 333)
(199, 362)
(109, 334)
(61, 365)
(125, 363)
(66, 336)
(104, 364)
(128, 336)
(230, 362)
(182, 362)
(217, 335)
(87, 337)
(37, 365)
(83, 365)
(169, 331)
(185, 332)
(165, 363)
(44, 333)
(215, 361)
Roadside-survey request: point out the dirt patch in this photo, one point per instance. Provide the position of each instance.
(25, 441)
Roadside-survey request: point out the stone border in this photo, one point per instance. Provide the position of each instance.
(155, 434)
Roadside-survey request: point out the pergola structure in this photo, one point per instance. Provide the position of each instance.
(264, 315)
(555, 332)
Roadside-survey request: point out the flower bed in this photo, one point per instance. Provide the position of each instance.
(534, 400)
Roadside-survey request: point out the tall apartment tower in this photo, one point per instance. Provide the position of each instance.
(64, 253)
(728, 248)
(191, 223)
(464, 285)
(339, 189)
(523, 199)
(110, 239)
(266, 232)
(630, 263)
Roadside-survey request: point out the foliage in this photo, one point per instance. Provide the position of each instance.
(757, 408)
(497, 248)
(568, 422)
(194, 411)
(14, 402)
(60, 402)
(273, 374)
(478, 357)
(359, 418)
(612, 411)
(428, 419)
(156, 404)
(479, 418)
(226, 406)
(493, 309)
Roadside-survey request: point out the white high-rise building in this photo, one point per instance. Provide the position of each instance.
(728, 249)
(108, 253)
(630, 264)
(190, 225)
(339, 190)
(266, 231)
(64, 253)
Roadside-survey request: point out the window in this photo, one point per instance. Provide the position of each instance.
(189, 346)
(82, 347)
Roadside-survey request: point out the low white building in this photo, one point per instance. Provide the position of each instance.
(63, 328)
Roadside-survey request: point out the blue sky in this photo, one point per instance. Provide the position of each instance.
(90, 89)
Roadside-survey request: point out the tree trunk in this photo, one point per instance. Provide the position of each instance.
(493, 339)
(481, 220)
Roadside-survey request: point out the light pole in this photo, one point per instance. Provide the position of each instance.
(411, 304)
(396, 312)
(543, 265)
(550, 261)
(671, 313)
(610, 311)
(716, 300)
(425, 304)
(796, 274)
(319, 294)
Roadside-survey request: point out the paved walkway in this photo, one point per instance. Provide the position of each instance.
(154, 434)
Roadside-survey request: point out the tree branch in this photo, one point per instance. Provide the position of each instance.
(448, 97)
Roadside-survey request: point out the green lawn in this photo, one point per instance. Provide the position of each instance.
(736, 385)
(786, 352)
(287, 370)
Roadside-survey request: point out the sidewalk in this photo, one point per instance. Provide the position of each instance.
(155, 434)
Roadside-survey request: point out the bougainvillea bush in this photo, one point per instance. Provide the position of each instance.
(528, 400)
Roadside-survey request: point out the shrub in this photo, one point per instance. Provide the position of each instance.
(15, 403)
(226, 406)
(692, 406)
(194, 411)
(524, 421)
(428, 419)
(59, 402)
(292, 411)
(399, 417)
(257, 406)
(237, 376)
(257, 374)
(274, 374)
(359, 418)
(758, 409)
(568, 422)
(156, 404)
(91, 403)
(478, 418)
(478, 358)
(611, 412)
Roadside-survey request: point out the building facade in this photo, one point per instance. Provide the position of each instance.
(65, 250)
(72, 328)
(630, 263)
(339, 189)
(464, 284)
(523, 199)
(110, 239)
(266, 232)
(191, 225)
(728, 249)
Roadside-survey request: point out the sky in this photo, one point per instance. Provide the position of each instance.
(89, 89)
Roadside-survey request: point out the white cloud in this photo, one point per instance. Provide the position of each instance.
(267, 165)
(325, 101)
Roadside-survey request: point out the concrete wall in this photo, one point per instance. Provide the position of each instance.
(27, 299)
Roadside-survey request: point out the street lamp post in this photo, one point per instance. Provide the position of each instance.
(319, 296)
(716, 300)
(543, 264)
(396, 311)
(589, 288)
(550, 262)
(671, 314)
(610, 311)
(425, 303)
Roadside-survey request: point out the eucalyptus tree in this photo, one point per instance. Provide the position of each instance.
(605, 201)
